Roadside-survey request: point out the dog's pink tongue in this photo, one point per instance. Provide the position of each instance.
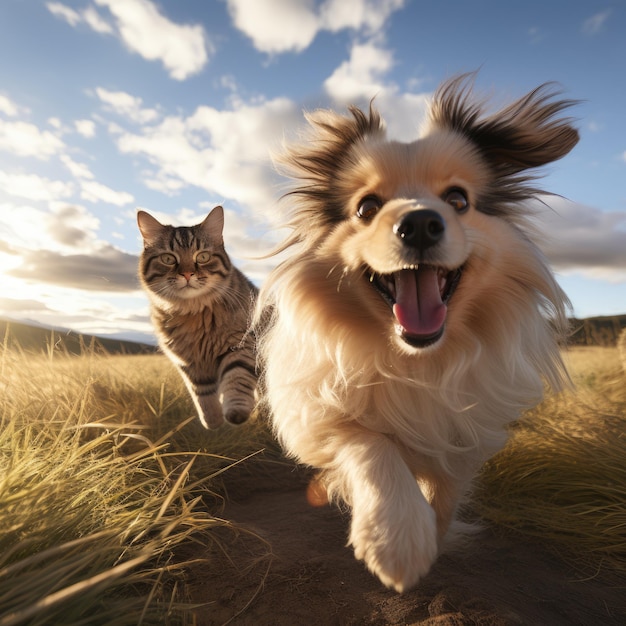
(418, 308)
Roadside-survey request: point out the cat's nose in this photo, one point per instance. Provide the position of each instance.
(187, 275)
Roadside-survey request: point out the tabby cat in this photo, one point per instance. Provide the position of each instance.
(201, 307)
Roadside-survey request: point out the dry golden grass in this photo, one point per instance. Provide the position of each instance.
(107, 487)
(562, 477)
(621, 346)
(110, 488)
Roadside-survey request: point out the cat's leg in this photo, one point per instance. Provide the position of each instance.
(237, 389)
(209, 410)
(204, 394)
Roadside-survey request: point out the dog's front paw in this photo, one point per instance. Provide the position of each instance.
(397, 546)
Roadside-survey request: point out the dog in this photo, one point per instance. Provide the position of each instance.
(413, 317)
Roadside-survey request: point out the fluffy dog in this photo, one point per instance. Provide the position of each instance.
(414, 317)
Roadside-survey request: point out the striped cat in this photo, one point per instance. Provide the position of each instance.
(200, 307)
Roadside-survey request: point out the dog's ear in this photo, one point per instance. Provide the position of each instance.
(326, 146)
(342, 130)
(526, 134)
(315, 162)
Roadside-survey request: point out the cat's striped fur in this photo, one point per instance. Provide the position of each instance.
(201, 306)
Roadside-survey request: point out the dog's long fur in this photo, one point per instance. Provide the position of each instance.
(399, 423)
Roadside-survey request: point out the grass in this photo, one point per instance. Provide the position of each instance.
(109, 488)
(562, 477)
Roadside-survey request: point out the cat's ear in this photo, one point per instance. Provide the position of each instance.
(214, 224)
(149, 226)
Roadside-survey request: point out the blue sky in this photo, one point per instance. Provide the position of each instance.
(108, 106)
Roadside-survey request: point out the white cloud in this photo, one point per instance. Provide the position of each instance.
(594, 24)
(181, 48)
(59, 248)
(25, 139)
(294, 31)
(72, 227)
(167, 146)
(143, 29)
(23, 226)
(114, 129)
(224, 152)
(12, 305)
(590, 241)
(89, 16)
(359, 77)
(8, 107)
(64, 12)
(65, 228)
(102, 269)
(33, 187)
(363, 77)
(127, 106)
(56, 263)
(86, 128)
(246, 250)
(93, 191)
(82, 310)
(301, 20)
(404, 113)
(78, 170)
(97, 22)
(367, 15)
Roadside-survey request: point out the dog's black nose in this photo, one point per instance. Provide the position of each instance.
(420, 229)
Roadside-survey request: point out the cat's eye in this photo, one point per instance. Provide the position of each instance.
(368, 207)
(168, 259)
(203, 257)
(457, 199)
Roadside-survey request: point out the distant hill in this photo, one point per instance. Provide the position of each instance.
(597, 331)
(591, 331)
(41, 339)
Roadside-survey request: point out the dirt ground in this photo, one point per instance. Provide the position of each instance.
(284, 562)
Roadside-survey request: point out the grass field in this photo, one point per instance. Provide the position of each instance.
(562, 477)
(110, 489)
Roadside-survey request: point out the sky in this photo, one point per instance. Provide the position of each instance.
(110, 106)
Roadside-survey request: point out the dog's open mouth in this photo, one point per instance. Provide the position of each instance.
(418, 296)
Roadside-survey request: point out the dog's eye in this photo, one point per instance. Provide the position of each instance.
(457, 199)
(368, 207)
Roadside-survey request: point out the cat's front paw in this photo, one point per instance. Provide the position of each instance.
(236, 416)
(399, 546)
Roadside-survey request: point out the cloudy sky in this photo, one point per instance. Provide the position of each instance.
(107, 106)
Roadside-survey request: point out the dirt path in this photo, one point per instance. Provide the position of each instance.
(303, 574)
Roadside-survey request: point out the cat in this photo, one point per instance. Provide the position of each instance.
(200, 306)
